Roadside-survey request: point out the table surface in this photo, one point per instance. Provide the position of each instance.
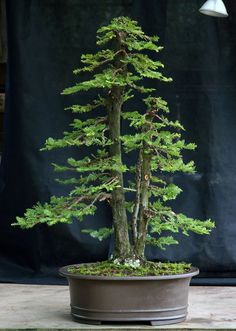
(47, 307)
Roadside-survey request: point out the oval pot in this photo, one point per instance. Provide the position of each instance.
(156, 299)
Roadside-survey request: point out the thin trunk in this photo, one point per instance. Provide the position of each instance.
(137, 200)
(114, 103)
(144, 198)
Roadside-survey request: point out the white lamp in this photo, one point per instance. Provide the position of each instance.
(214, 8)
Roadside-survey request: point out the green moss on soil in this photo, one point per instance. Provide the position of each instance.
(109, 268)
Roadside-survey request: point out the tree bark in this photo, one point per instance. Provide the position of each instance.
(122, 247)
(137, 199)
(144, 199)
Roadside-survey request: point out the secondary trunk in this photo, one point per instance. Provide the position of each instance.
(144, 198)
(114, 103)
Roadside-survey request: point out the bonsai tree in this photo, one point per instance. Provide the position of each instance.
(140, 209)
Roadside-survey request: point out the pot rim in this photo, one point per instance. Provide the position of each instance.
(63, 271)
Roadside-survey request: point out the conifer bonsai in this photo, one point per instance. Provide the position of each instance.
(140, 209)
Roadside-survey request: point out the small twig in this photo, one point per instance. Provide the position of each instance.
(94, 200)
(108, 60)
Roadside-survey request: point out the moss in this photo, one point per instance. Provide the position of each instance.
(109, 268)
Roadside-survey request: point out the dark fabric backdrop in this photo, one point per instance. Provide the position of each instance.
(46, 39)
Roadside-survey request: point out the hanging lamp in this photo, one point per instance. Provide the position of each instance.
(214, 8)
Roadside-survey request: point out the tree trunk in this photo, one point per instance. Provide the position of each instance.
(122, 248)
(144, 198)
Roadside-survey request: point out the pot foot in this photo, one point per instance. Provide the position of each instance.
(86, 321)
(167, 322)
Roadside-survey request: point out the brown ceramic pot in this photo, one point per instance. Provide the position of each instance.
(156, 299)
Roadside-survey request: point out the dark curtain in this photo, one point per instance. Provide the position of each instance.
(45, 41)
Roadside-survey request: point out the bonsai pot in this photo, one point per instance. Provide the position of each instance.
(156, 299)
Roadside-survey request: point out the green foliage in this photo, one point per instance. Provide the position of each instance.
(145, 67)
(116, 71)
(100, 234)
(87, 108)
(88, 133)
(57, 210)
(164, 219)
(160, 242)
(168, 192)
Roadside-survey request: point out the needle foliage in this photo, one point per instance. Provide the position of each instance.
(141, 212)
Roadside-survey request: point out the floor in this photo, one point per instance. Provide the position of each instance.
(47, 307)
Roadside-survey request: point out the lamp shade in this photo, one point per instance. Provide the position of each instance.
(214, 8)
